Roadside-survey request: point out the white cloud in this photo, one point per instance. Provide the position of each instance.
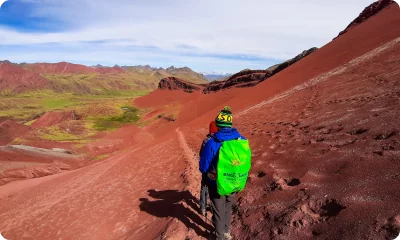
(261, 28)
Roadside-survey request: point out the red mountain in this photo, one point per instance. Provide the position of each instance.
(14, 79)
(59, 68)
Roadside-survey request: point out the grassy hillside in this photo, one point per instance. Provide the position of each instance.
(155, 75)
(28, 106)
(95, 114)
(132, 80)
(186, 74)
(100, 98)
(101, 84)
(79, 79)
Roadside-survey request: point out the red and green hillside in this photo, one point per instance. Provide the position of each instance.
(31, 89)
(72, 78)
(324, 134)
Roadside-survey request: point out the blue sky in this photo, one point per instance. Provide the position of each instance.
(207, 36)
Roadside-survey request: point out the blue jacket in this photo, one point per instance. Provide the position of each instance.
(209, 154)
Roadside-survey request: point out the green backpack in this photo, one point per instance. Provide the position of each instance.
(233, 166)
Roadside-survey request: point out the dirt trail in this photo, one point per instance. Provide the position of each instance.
(65, 68)
(192, 160)
(192, 179)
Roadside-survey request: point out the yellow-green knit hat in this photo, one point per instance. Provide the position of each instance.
(224, 118)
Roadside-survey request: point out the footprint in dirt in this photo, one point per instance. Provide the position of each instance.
(385, 135)
(280, 183)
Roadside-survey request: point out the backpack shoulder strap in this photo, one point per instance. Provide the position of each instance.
(217, 140)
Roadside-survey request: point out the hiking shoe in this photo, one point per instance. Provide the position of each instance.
(212, 236)
(228, 236)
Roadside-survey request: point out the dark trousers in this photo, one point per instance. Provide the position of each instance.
(203, 192)
(222, 211)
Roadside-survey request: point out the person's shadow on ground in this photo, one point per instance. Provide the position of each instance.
(168, 203)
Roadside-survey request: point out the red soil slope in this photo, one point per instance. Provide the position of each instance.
(126, 137)
(160, 97)
(54, 118)
(110, 207)
(326, 156)
(11, 129)
(14, 79)
(368, 12)
(325, 140)
(59, 68)
(19, 163)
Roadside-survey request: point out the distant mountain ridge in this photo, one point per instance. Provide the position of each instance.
(184, 73)
(216, 76)
(81, 79)
(65, 77)
(244, 78)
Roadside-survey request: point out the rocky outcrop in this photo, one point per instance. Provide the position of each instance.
(249, 78)
(245, 78)
(174, 83)
(368, 12)
(277, 68)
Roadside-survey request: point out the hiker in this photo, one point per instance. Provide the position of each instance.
(204, 189)
(226, 159)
